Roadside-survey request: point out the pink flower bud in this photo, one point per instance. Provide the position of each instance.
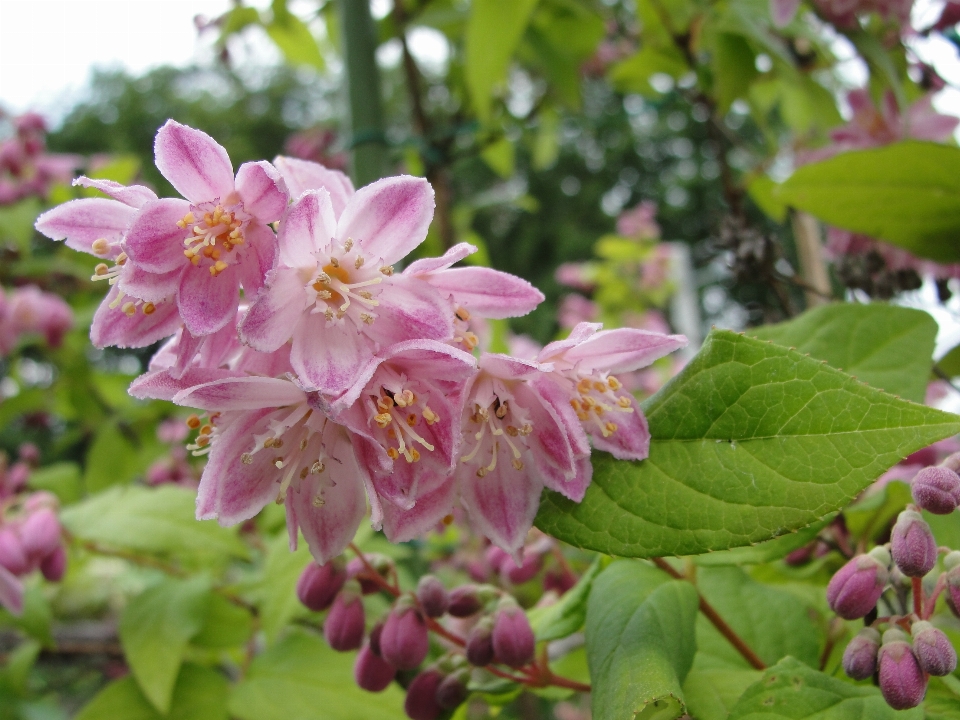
(40, 533)
(432, 596)
(12, 555)
(29, 453)
(496, 557)
(319, 584)
(518, 574)
(912, 545)
(17, 477)
(936, 489)
(357, 569)
(371, 672)
(464, 601)
(934, 651)
(375, 633)
(513, 641)
(559, 580)
(404, 642)
(951, 564)
(860, 657)
(452, 692)
(54, 565)
(902, 682)
(855, 588)
(343, 627)
(480, 643)
(421, 702)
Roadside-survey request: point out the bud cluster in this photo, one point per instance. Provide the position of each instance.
(911, 649)
(26, 168)
(30, 311)
(496, 628)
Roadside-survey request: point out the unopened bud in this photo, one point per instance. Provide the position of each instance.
(343, 627)
(936, 489)
(12, 555)
(372, 672)
(421, 702)
(902, 682)
(519, 574)
(912, 545)
(375, 633)
(452, 692)
(404, 641)
(513, 641)
(855, 588)
(933, 650)
(432, 596)
(480, 643)
(952, 565)
(860, 657)
(40, 533)
(319, 584)
(54, 565)
(356, 568)
(496, 557)
(560, 580)
(464, 601)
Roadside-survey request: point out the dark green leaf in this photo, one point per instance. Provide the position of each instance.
(640, 641)
(733, 68)
(62, 479)
(155, 629)
(226, 625)
(711, 693)
(886, 346)
(634, 73)
(907, 193)
(762, 552)
(750, 441)
(301, 677)
(567, 615)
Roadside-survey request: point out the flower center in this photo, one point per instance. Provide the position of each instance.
(213, 235)
(398, 414)
(499, 423)
(596, 396)
(344, 287)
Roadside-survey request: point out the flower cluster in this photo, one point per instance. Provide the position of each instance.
(845, 13)
(903, 662)
(30, 533)
(28, 311)
(26, 169)
(328, 379)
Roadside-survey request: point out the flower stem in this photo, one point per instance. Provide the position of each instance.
(718, 622)
(917, 596)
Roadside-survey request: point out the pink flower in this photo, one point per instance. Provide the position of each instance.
(216, 240)
(582, 368)
(335, 292)
(639, 222)
(575, 309)
(303, 175)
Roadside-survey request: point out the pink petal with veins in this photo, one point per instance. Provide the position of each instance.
(303, 175)
(153, 240)
(262, 190)
(194, 163)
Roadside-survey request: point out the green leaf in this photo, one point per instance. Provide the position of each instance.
(112, 459)
(156, 520)
(493, 31)
(772, 622)
(200, 694)
(762, 552)
(711, 693)
(886, 346)
(16, 668)
(634, 73)
(792, 691)
(568, 614)
(36, 618)
(871, 515)
(277, 590)
(62, 479)
(640, 641)
(762, 191)
(950, 363)
(293, 37)
(733, 68)
(907, 193)
(499, 156)
(301, 677)
(942, 702)
(155, 629)
(226, 625)
(750, 441)
(236, 20)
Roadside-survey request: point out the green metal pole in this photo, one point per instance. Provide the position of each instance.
(368, 143)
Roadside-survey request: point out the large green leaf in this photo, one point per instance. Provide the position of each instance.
(200, 694)
(493, 31)
(277, 589)
(293, 37)
(750, 441)
(157, 520)
(907, 193)
(792, 691)
(156, 627)
(886, 346)
(301, 677)
(640, 642)
(568, 614)
(711, 693)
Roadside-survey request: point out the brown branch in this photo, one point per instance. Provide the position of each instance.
(718, 622)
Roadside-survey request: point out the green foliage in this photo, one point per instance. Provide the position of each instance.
(907, 193)
(750, 441)
(278, 599)
(567, 615)
(640, 641)
(763, 552)
(301, 677)
(886, 346)
(293, 37)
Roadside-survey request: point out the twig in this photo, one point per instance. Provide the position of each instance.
(718, 622)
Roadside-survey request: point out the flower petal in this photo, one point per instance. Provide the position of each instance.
(133, 195)
(623, 350)
(272, 318)
(207, 303)
(161, 385)
(487, 292)
(389, 218)
(307, 228)
(11, 592)
(243, 393)
(262, 190)
(153, 240)
(428, 265)
(429, 510)
(328, 359)
(148, 286)
(502, 504)
(303, 175)
(194, 163)
(256, 257)
(410, 309)
(81, 222)
(113, 327)
(631, 440)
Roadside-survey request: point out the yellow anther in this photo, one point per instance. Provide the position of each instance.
(100, 246)
(334, 262)
(358, 263)
(609, 429)
(206, 429)
(517, 464)
(412, 419)
(614, 383)
(318, 501)
(430, 416)
(623, 401)
(268, 443)
(203, 441)
(502, 410)
(218, 268)
(481, 472)
(304, 472)
(392, 453)
(414, 455)
(462, 313)
(367, 318)
(149, 308)
(512, 431)
(348, 245)
(383, 419)
(599, 386)
(387, 270)
(121, 259)
(101, 269)
(278, 462)
(129, 308)
(246, 459)
(193, 422)
(317, 468)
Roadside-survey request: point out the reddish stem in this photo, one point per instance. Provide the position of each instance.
(931, 602)
(917, 596)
